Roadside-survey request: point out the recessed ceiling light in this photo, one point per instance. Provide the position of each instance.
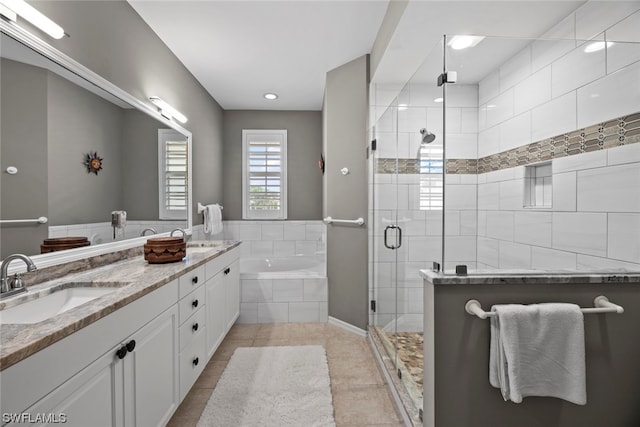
(596, 46)
(402, 107)
(463, 42)
(438, 100)
(271, 96)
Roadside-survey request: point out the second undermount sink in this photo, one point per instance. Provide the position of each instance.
(34, 308)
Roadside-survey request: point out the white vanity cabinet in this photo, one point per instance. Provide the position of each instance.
(136, 387)
(133, 367)
(193, 357)
(121, 370)
(223, 297)
(232, 292)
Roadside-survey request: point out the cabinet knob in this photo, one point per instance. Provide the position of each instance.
(196, 361)
(122, 352)
(195, 327)
(131, 345)
(194, 279)
(194, 303)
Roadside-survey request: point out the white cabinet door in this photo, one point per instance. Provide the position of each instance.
(216, 314)
(92, 397)
(151, 372)
(232, 292)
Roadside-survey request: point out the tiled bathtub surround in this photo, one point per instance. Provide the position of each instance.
(278, 238)
(283, 300)
(286, 296)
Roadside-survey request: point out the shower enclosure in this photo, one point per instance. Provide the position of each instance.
(508, 155)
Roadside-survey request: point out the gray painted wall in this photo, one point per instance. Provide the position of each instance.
(80, 122)
(304, 145)
(76, 122)
(111, 39)
(140, 166)
(23, 144)
(464, 396)
(346, 110)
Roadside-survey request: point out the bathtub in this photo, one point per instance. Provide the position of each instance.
(282, 267)
(283, 289)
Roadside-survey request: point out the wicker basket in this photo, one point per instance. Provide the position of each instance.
(161, 250)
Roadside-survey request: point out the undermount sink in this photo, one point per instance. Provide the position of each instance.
(34, 308)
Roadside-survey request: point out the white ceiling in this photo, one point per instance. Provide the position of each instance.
(239, 50)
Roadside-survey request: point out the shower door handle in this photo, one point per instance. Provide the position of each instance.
(398, 237)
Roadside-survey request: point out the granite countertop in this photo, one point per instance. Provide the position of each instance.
(133, 277)
(506, 277)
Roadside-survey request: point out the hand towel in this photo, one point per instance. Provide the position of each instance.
(212, 219)
(538, 350)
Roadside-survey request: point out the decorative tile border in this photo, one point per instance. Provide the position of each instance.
(613, 133)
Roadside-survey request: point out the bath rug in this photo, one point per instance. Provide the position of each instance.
(272, 386)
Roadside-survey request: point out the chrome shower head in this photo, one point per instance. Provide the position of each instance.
(427, 137)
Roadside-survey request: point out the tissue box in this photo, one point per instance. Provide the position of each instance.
(161, 250)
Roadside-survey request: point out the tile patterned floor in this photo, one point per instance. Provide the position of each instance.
(360, 395)
(410, 352)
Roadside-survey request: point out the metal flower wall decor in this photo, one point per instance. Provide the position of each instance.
(93, 162)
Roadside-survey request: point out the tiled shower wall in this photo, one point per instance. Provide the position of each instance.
(529, 104)
(534, 103)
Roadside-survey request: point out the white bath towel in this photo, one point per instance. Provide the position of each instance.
(212, 219)
(538, 350)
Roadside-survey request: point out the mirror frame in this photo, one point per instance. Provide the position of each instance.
(40, 46)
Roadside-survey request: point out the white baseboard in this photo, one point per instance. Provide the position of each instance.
(347, 326)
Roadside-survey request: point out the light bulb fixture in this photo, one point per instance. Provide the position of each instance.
(271, 96)
(167, 110)
(29, 13)
(596, 46)
(462, 42)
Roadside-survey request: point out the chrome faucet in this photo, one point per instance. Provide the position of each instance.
(16, 285)
(152, 230)
(185, 237)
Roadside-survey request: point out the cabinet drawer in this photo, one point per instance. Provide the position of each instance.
(192, 361)
(193, 327)
(191, 280)
(191, 303)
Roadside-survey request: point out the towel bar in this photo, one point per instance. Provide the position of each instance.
(201, 207)
(601, 303)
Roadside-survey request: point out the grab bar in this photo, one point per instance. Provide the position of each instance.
(40, 220)
(602, 305)
(357, 221)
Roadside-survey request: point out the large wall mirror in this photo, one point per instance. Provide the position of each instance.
(56, 117)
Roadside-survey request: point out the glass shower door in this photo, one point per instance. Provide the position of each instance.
(397, 286)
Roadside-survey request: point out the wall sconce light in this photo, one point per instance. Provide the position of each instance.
(167, 110)
(10, 9)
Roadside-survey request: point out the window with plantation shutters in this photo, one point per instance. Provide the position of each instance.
(430, 165)
(264, 176)
(173, 174)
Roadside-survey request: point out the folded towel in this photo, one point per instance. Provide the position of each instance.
(538, 350)
(212, 219)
